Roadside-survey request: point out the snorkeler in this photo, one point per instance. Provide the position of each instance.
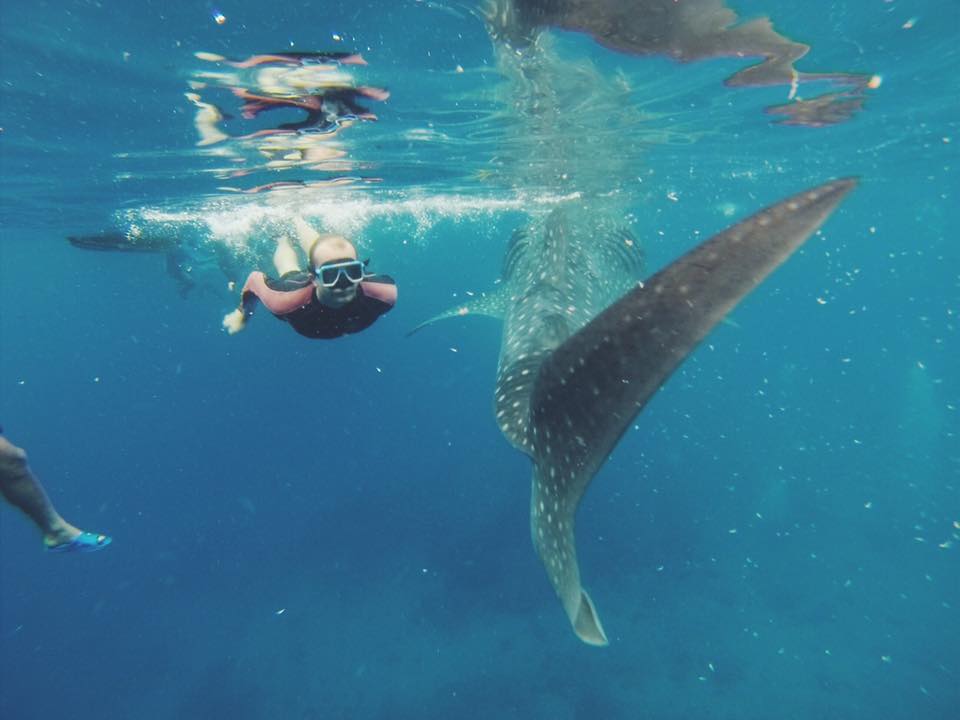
(334, 297)
(23, 490)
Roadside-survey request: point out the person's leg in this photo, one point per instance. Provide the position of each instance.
(306, 235)
(22, 490)
(285, 257)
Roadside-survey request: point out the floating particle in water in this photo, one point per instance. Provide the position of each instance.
(218, 17)
(727, 209)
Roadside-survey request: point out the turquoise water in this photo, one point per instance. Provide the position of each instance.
(339, 530)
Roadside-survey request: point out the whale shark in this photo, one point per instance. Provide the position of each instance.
(585, 342)
(575, 369)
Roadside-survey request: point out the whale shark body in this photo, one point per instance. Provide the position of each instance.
(575, 370)
(585, 344)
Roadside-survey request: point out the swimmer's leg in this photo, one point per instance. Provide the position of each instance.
(306, 235)
(285, 257)
(23, 490)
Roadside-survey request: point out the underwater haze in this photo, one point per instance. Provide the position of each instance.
(312, 529)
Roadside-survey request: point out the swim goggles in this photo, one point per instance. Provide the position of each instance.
(329, 273)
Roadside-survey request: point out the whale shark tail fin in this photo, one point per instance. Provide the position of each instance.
(587, 625)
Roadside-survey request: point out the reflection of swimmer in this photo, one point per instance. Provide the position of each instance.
(23, 490)
(316, 83)
(335, 297)
(207, 121)
(274, 75)
(288, 58)
(324, 110)
(297, 185)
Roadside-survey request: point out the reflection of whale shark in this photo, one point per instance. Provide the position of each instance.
(686, 31)
(570, 381)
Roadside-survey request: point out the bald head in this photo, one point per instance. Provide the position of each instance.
(331, 247)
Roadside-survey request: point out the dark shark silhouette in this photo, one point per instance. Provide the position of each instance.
(570, 381)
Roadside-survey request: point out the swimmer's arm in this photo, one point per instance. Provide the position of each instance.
(382, 288)
(235, 321)
(279, 302)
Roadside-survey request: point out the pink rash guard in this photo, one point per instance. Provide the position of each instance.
(279, 302)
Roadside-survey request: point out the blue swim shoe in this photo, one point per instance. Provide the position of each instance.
(84, 542)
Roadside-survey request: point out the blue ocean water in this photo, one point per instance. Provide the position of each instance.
(338, 529)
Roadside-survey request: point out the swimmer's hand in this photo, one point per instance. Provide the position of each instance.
(234, 322)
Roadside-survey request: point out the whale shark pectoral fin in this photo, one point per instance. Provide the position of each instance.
(592, 386)
(490, 304)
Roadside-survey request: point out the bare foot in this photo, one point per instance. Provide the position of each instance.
(64, 532)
